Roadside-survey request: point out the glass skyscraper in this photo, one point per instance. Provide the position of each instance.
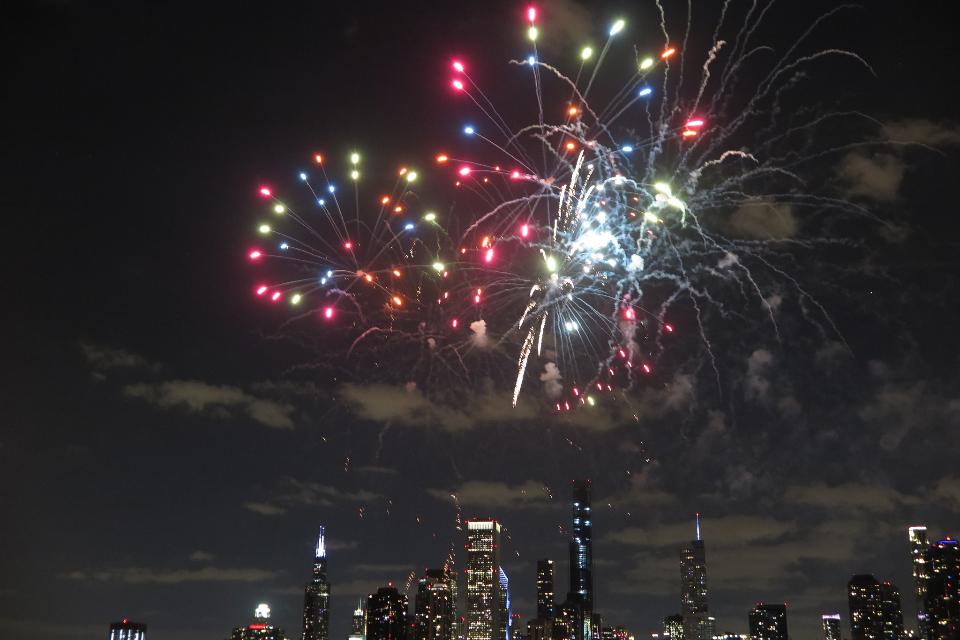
(693, 589)
(486, 600)
(581, 547)
(919, 557)
(316, 597)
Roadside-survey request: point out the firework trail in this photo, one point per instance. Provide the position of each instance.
(576, 239)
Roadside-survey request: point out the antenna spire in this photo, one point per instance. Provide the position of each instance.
(698, 526)
(321, 546)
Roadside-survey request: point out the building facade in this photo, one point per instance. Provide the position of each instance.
(316, 597)
(693, 589)
(126, 630)
(673, 627)
(942, 596)
(875, 609)
(260, 629)
(768, 622)
(486, 600)
(387, 614)
(546, 602)
(435, 608)
(831, 626)
(919, 559)
(358, 623)
(581, 547)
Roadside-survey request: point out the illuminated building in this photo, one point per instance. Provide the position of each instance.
(316, 597)
(831, 626)
(693, 589)
(387, 614)
(545, 592)
(566, 622)
(503, 604)
(435, 610)
(875, 610)
(673, 627)
(768, 622)
(358, 623)
(260, 628)
(943, 590)
(486, 600)
(581, 547)
(919, 557)
(126, 630)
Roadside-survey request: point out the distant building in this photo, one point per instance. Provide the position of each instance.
(693, 589)
(435, 609)
(581, 547)
(486, 600)
(260, 628)
(831, 626)
(358, 623)
(316, 597)
(546, 602)
(942, 597)
(126, 630)
(673, 627)
(920, 558)
(875, 609)
(387, 614)
(768, 622)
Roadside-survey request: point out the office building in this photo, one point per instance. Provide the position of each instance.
(486, 600)
(875, 609)
(126, 630)
(358, 623)
(260, 629)
(673, 627)
(581, 548)
(435, 611)
(316, 597)
(768, 622)
(693, 589)
(919, 558)
(545, 590)
(831, 626)
(387, 614)
(942, 597)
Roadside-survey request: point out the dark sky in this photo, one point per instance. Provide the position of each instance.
(159, 461)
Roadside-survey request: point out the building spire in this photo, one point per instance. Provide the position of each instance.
(321, 546)
(698, 526)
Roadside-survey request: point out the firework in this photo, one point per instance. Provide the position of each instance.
(575, 238)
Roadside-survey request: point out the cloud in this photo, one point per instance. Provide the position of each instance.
(757, 382)
(479, 337)
(721, 532)
(144, 575)
(201, 556)
(106, 358)
(763, 219)
(498, 495)
(877, 177)
(291, 493)
(849, 497)
(220, 401)
(408, 406)
(551, 380)
(264, 508)
(920, 131)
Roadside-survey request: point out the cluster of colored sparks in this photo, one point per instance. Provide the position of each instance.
(595, 227)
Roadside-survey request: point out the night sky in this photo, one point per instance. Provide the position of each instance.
(164, 457)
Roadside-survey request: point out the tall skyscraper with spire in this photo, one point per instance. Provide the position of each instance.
(581, 548)
(693, 589)
(316, 598)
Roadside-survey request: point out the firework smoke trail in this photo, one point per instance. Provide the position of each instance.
(587, 253)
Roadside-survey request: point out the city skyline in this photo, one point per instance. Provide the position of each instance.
(172, 443)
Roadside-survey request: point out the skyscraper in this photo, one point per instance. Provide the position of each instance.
(581, 547)
(545, 592)
(693, 589)
(386, 614)
(358, 623)
(875, 609)
(316, 597)
(435, 611)
(503, 604)
(260, 628)
(673, 627)
(486, 614)
(942, 598)
(831, 626)
(768, 622)
(919, 557)
(126, 630)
